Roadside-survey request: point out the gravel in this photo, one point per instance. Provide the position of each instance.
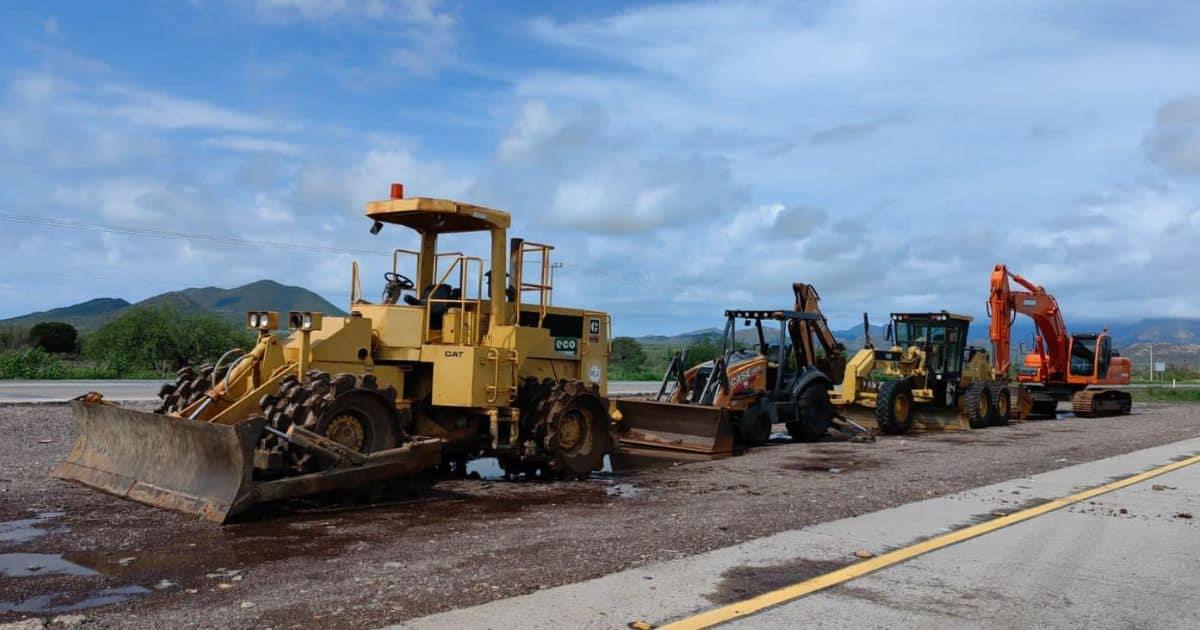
(460, 543)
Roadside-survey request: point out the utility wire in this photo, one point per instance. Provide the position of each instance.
(184, 236)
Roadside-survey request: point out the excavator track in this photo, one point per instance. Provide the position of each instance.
(1097, 403)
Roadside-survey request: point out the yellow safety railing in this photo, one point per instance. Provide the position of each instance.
(469, 308)
(493, 390)
(545, 284)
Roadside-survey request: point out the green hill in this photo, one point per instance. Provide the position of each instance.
(265, 295)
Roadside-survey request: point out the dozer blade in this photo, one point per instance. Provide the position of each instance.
(671, 426)
(169, 462)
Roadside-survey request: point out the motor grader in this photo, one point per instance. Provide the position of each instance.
(450, 364)
(929, 378)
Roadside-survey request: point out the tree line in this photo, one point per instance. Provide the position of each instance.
(146, 342)
(632, 360)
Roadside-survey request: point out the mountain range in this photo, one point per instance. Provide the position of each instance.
(1133, 338)
(232, 304)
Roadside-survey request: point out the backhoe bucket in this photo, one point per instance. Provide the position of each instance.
(675, 427)
(165, 461)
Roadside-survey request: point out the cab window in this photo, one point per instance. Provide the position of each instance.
(1083, 356)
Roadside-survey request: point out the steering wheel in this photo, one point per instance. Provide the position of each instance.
(401, 282)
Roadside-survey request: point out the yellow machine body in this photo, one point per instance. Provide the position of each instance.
(465, 366)
(946, 385)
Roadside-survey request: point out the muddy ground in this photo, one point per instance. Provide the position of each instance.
(457, 543)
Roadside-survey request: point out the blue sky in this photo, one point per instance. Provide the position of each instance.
(684, 157)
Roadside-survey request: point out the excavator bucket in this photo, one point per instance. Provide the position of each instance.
(165, 461)
(674, 427)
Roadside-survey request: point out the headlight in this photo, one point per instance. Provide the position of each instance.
(307, 321)
(262, 320)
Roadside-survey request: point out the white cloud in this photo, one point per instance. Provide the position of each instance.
(578, 170)
(155, 109)
(251, 144)
(421, 35)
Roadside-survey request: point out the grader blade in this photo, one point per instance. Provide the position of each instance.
(925, 418)
(165, 461)
(675, 427)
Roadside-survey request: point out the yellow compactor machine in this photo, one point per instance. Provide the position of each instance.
(449, 365)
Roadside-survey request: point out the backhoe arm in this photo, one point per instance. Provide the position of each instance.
(803, 332)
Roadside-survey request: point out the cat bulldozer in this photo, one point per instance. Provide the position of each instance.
(450, 364)
(737, 397)
(929, 378)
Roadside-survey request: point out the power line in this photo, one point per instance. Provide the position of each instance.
(184, 236)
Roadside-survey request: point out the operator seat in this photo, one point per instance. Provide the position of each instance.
(437, 309)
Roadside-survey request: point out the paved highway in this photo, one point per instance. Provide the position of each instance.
(21, 391)
(1124, 559)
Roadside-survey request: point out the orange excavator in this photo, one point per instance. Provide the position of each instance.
(1062, 366)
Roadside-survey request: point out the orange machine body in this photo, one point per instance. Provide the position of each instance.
(1078, 367)
(747, 379)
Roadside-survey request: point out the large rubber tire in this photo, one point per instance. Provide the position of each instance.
(814, 413)
(1001, 403)
(977, 405)
(894, 407)
(754, 426)
(576, 430)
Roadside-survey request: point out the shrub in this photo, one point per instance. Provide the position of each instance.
(54, 337)
(162, 339)
(13, 337)
(627, 354)
(31, 363)
(701, 352)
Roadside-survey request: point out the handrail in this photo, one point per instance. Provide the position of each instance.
(544, 287)
(437, 258)
(396, 257)
(469, 321)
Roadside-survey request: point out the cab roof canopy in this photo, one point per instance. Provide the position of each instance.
(425, 214)
(937, 316)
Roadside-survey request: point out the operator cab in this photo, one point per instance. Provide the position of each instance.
(942, 336)
(1091, 354)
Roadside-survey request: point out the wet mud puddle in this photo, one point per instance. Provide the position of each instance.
(50, 583)
(69, 584)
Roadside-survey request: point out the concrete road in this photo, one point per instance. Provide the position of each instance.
(21, 391)
(1129, 558)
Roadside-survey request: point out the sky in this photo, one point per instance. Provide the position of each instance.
(683, 157)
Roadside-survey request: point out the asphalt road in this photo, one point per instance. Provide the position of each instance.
(1124, 559)
(22, 391)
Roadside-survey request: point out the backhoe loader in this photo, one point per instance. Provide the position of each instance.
(738, 396)
(929, 378)
(438, 371)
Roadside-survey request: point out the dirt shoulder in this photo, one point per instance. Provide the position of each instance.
(460, 543)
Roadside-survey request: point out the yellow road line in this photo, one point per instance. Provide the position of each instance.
(774, 598)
